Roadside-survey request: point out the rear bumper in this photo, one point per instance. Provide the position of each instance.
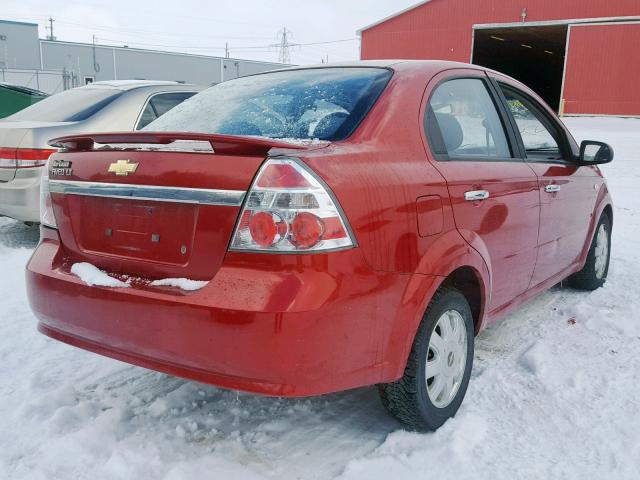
(314, 325)
(20, 198)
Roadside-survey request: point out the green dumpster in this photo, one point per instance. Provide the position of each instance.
(14, 98)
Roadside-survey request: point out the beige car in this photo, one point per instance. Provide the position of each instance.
(100, 107)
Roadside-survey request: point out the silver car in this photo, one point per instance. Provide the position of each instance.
(100, 107)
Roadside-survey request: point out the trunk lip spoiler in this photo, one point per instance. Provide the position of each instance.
(221, 144)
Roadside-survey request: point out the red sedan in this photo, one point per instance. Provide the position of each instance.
(325, 228)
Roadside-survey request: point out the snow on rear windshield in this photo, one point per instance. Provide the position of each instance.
(321, 103)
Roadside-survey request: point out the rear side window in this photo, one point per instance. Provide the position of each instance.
(463, 122)
(160, 104)
(148, 116)
(323, 103)
(69, 106)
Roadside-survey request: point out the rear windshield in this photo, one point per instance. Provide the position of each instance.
(69, 106)
(321, 103)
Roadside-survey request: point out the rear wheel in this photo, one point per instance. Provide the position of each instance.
(595, 270)
(439, 366)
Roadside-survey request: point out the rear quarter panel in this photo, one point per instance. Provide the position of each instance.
(377, 175)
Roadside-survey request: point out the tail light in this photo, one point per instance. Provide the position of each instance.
(24, 157)
(8, 158)
(46, 206)
(30, 158)
(289, 209)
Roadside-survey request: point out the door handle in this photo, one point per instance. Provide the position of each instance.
(552, 188)
(474, 195)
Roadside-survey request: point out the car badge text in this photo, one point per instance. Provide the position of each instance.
(122, 168)
(61, 168)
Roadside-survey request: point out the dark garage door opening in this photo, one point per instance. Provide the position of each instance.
(533, 55)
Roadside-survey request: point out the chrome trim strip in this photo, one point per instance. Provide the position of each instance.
(200, 196)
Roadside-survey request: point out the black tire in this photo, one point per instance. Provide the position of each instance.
(587, 278)
(407, 399)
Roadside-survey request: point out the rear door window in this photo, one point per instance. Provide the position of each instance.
(463, 122)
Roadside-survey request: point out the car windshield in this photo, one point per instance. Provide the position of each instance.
(69, 106)
(320, 103)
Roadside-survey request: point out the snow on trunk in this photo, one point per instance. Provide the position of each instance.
(182, 283)
(92, 275)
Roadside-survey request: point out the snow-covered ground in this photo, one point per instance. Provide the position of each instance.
(555, 392)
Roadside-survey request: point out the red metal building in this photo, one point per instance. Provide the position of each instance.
(582, 56)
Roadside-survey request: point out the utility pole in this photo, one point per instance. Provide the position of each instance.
(51, 36)
(226, 49)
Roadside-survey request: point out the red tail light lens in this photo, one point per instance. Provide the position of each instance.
(281, 175)
(24, 157)
(8, 158)
(266, 228)
(288, 209)
(306, 230)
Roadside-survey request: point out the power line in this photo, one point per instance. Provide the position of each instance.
(283, 47)
(131, 31)
(139, 32)
(191, 18)
(308, 44)
(326, 43)
(146, 33)
(230, 49)
(324, 52)
(160, 45)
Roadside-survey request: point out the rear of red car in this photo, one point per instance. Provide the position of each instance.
(283, 285)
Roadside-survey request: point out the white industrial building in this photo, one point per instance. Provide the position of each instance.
(52, 65)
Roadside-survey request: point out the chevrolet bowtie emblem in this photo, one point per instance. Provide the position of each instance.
(122, 168)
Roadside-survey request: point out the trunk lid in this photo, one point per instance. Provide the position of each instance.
(149, 205)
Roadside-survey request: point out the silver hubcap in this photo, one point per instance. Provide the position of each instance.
(446, 358)
(602, 251)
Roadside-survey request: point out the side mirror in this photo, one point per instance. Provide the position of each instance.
(594, 153)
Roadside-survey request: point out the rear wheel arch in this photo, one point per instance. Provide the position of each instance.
(450, 262)
(604, 208)
(608, 209)
(594, 271)
(468, 281)
(416, 396)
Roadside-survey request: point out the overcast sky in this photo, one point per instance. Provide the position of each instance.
(203, 26)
